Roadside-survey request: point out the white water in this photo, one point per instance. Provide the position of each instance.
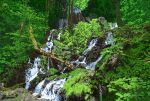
(113, 25)
(32, 72)
(109, 39)
(59, 35)
(83, 63)
(50, 37)
(49, 43)
(91, 45)
(51, 91)
(48, 63)
(92, 65)
(38, 88)
(76, 10)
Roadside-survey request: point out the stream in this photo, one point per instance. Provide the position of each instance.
(51, 90)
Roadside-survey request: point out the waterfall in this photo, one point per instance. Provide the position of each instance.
(49, 43)
(82, 63)
(59, 35)
(113, 25)
(82, 59)
(48, 63)
(109, 39)
(91, 45)
(92, 65)
(32, 72)
(38, 88)
(76, 10)
(51, 91)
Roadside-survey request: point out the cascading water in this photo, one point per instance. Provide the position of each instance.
(79, 62)
(83, 63)
(32, 72)
(113, 25)
(49, 43)
(38, 88)
(91, 45)
(59, 35)
(92, 65)
(51, 91)
(109, 39)
(76, 10)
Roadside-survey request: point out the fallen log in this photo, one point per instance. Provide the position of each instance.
(48, 54)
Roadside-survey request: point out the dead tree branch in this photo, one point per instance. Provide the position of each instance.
(48, 54)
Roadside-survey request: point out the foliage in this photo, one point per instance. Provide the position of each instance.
(98, 8)
(52, 71)
(78, 40)
(16, 45)
(82, 4)
(135, 11)
(130, 89)
(78, 84)
(130, 80)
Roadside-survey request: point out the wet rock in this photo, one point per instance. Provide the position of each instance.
(94, 53)
(81, 58)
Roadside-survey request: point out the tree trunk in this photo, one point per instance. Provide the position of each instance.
(70, 14)
(118, 13)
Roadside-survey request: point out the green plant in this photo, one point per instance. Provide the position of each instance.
(135, 11)
(78, 84)
(15, 42)
(82, 4)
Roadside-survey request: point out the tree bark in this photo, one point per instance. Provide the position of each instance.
(118, 12)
